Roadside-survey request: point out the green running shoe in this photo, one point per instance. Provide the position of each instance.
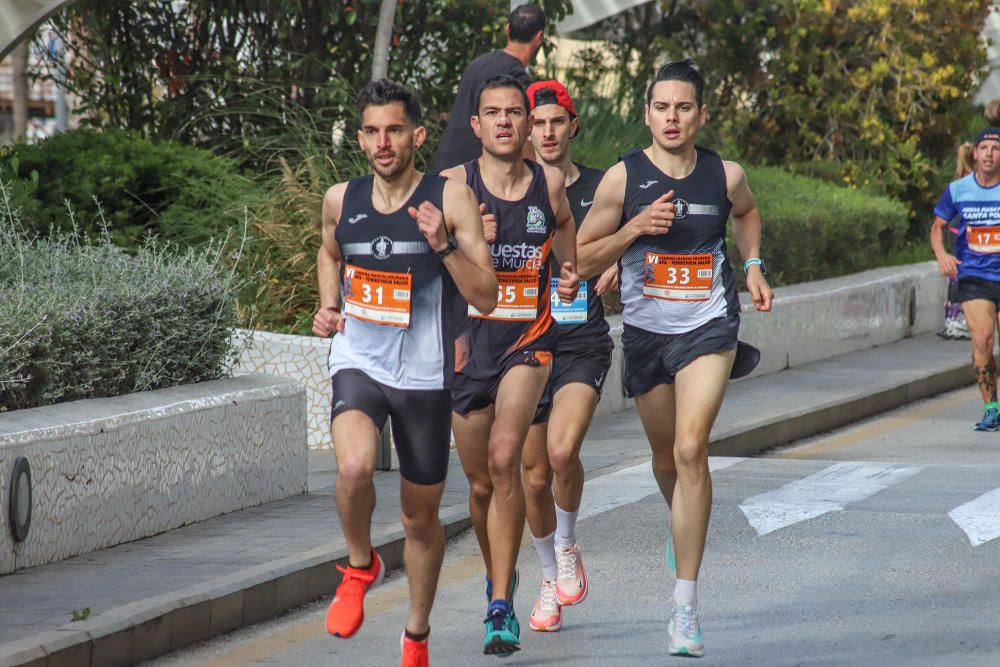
(502, 632)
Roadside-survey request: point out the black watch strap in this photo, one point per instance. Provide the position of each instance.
(450, 248)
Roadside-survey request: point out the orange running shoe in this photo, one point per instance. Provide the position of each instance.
(571, 580)
(546, 616)
(347, 611)
(414, 652)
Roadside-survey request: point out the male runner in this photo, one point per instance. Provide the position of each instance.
(503, 360)
(975, 201)
(582, 361)
(662, 213)
(396, 245)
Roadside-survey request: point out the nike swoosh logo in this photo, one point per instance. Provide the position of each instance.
(647, 184)
(356, 218)
(586, 203)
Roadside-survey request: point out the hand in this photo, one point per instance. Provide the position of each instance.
(569, 282)
(656, 219)
(948, 265)
(607, 281)
(489, 224)
(760, 291)
(430, 220)
(328, 320)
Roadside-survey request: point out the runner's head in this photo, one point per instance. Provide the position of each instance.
(390, 132)
(675, 109)
(986, 154)
(554, 120)
(501, 120)
(526, 25)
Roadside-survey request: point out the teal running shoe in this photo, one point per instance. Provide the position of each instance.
(503, 632)
(685, 632)
(671, 560)
(990, 421)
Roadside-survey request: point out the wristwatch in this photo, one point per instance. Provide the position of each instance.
(755, 261)
(450, 248)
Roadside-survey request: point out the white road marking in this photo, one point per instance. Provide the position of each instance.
(979, 518)
(630, 485)
(829, 490)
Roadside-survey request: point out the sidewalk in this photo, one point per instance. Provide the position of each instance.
(171, 590)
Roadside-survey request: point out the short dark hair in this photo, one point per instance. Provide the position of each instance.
(681, 70)
(525, 22)
(502, 81)
(384, 91)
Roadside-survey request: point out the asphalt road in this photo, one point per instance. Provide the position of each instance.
(874, 544)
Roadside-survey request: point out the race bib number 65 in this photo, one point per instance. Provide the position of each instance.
(678, 277)
(381, 297)
(516, 300)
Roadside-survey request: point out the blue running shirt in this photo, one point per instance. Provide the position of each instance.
(978, 211)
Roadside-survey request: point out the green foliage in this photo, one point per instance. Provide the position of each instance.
(87, 321)
(149, 189)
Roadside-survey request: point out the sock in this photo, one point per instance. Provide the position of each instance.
(565, 528)
(501, 605)
(993, 404)
(546, 550)
(686, 592)
(361, 567)
(417, 637)
(489, 587)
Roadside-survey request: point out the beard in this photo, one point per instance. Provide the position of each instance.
(389, 172)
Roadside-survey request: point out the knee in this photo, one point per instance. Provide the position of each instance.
(504, 464)
(982, 343)
(354, 472)
(420, 523)
(480, 489)
(563, 457)
(690, 453)
(536, 482)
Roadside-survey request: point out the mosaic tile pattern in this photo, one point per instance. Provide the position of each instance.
(126, 473)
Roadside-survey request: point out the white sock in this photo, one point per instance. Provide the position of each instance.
(686, 592)
(546, 550)
(565, 528)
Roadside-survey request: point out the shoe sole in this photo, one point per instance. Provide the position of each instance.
(541, 627)
(569, 602)
(986, 429)
(685, 653)
(378, 580)
(501, 648)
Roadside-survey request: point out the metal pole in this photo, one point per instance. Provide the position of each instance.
(383, 35)
(62, 109)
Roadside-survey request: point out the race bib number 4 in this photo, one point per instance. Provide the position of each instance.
(678, 277)
(574, 312)
(381, 297)
(983, 238)
(517, 299)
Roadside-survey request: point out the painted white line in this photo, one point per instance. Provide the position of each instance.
(829, 490)
(630, 485)
(979, 518)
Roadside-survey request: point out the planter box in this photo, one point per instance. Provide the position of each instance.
(114, 470)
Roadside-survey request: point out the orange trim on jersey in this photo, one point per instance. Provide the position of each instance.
(544, 358)
(544, 321)
(462, 353)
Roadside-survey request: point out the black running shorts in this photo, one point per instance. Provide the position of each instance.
(469, 393)
(652, 359)
(971, 289)
(421, 421)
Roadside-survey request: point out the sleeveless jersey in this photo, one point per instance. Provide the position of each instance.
(977, 210)
(522, 319)
(680, 280)
(395, 290)
(581, 324)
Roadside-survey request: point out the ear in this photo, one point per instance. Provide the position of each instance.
(703, 114)
(538, 39)
(474, 121)
(361, 139)
(419, 136)
(645, 114)
(574, 127)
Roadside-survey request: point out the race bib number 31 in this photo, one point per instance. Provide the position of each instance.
(678, 277)
(983, 238)
(382, 297)
(574, 312)
(517, 299)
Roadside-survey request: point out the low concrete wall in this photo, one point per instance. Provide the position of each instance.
(113, 470)
(809, 322)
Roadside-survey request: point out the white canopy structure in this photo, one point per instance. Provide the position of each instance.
(18, 17)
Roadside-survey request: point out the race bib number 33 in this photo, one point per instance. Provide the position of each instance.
(983, 238)
(381, 297)
(517, 299)
(678, 277)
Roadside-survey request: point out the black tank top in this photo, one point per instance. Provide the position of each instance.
(521, 251)
(395, 290)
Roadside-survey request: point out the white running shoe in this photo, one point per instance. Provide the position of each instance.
(571, 578)
(685, 632)
(546, 615)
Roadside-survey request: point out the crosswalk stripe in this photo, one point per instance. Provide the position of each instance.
(979, 518)
(630, 485)
(829, 490)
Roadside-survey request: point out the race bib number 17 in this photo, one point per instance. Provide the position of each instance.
(381, 297)
(983, 238)
(678, 277)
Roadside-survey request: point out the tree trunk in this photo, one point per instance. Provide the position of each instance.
(19, 61)
(383, 35)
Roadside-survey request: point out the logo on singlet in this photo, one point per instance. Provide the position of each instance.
(585, 203)
(648, 184)
(357, 218)
(536, 220)
(682, 209)
(382, 247)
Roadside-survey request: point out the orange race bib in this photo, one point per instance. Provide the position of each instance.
(382, 297)
(678, 277)
(517, 300)
(983, 238)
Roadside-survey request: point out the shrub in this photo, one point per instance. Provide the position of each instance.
(150, 189)
(90, 320)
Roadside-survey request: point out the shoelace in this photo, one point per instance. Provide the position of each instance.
(566, 564)
(547, 597)
(355, 582)
(497, 618)
(414, 653)
(686, 619)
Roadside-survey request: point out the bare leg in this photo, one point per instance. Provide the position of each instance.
(981, 316)
(658, 414)
(355, 441)
(424, 548)
(472, 436)
(539, 507)
(572, 411)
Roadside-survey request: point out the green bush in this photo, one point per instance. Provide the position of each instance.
(813, 229)
(90, 320)
(146, 188)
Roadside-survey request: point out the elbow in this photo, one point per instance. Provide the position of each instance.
(486, 298)
(586, 268)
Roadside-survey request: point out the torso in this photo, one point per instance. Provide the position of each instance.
(977, 245)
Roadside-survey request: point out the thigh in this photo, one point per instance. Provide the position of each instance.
(472, 437)
(420, 498)
(359, 412)
(572, 411)
(981, 316)
(517, 399)
(700, 388)
(658, 412)
(421, 429)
